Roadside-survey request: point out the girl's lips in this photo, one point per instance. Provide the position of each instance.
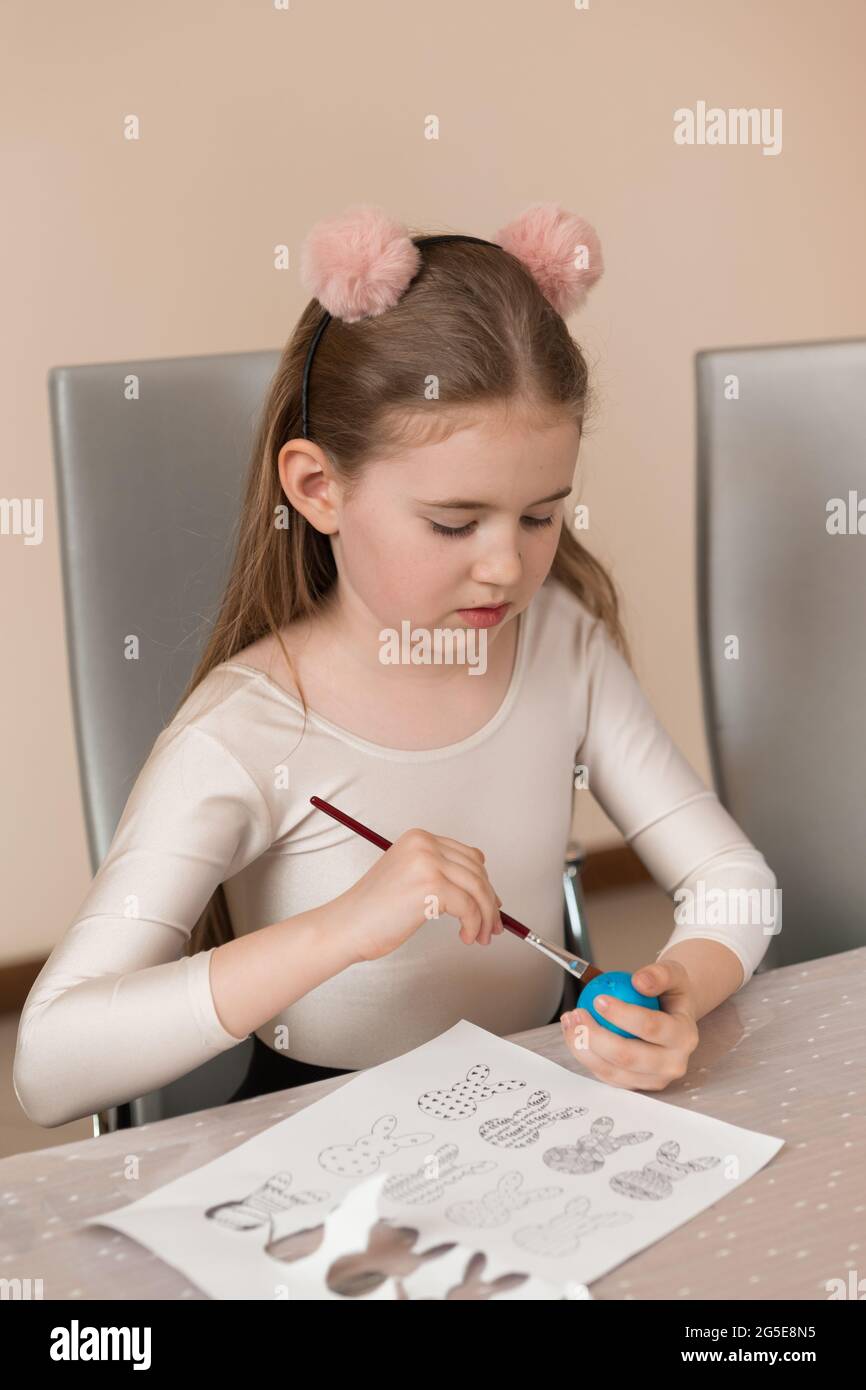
(483, 617)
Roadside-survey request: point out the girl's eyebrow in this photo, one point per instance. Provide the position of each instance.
(459, 503)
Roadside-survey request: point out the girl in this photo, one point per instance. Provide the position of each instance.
(420, 436)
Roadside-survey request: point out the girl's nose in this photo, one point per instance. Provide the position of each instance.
(502, 568)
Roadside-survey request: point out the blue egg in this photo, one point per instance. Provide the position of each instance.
(616, 983)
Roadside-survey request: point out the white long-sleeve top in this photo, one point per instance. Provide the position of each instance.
(224, 797)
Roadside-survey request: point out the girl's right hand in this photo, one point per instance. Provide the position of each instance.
(418, 879)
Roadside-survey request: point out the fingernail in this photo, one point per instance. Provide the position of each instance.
(602, 1002)
(643, 981)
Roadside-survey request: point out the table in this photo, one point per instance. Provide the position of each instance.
(785, 1056)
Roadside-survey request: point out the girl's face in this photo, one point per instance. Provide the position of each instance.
(470, 521)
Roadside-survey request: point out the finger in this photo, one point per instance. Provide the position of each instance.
(665, 1070)
(472, 850)
(457, 902)
(459, 855)
(492, 900)
(628, 1080)
(652, 1025)
(626, 1054)
(662, 977)
(479, 888)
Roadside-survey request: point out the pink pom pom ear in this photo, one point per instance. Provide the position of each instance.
(559, 249)
(359, 263)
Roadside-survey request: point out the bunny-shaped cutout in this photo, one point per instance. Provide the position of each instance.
(588, 1154)
(656, 1180)
(428, 1183)
(562, 1234)
(464, 1097)
(260, 1207)
(297, 1245)
(498, 1205)
(364, 1155)
(389, 1254)
(472, 1285)
(524, 1127)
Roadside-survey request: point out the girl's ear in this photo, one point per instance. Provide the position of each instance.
(309, 484)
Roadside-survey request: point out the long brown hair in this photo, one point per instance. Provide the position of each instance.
(476, 319)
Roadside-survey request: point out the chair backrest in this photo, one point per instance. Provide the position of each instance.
(781, 433)
(150, 459)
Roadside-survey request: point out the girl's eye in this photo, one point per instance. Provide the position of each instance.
(465, 530)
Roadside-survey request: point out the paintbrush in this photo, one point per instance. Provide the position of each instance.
(574, 965)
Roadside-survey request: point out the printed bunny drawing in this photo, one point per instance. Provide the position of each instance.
(464, 1097)
(561, 1234)
(656, 1180)
(524, 1127)
(472, 1285)
(389, 1254)
(428, 1183)
(587, 1155)
(260, 1207)
(498, 1205)
(363, 1156)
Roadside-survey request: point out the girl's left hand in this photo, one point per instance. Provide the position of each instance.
(664, 1039)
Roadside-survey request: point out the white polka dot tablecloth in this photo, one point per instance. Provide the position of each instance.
(785, 1056)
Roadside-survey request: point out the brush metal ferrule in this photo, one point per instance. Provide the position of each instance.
(573, 964)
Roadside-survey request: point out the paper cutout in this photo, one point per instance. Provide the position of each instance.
(389, 1253)
(355, 1255)
(259, 1222)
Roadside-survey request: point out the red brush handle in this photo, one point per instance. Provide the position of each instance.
(510, 922)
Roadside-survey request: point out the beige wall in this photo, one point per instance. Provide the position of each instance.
(256, 121)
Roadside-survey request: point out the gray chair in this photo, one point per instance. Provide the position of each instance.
(785, 722)
(150, 459)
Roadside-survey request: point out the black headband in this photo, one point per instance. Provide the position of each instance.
(305, 383)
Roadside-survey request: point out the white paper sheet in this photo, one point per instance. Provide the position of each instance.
(459, 1164)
